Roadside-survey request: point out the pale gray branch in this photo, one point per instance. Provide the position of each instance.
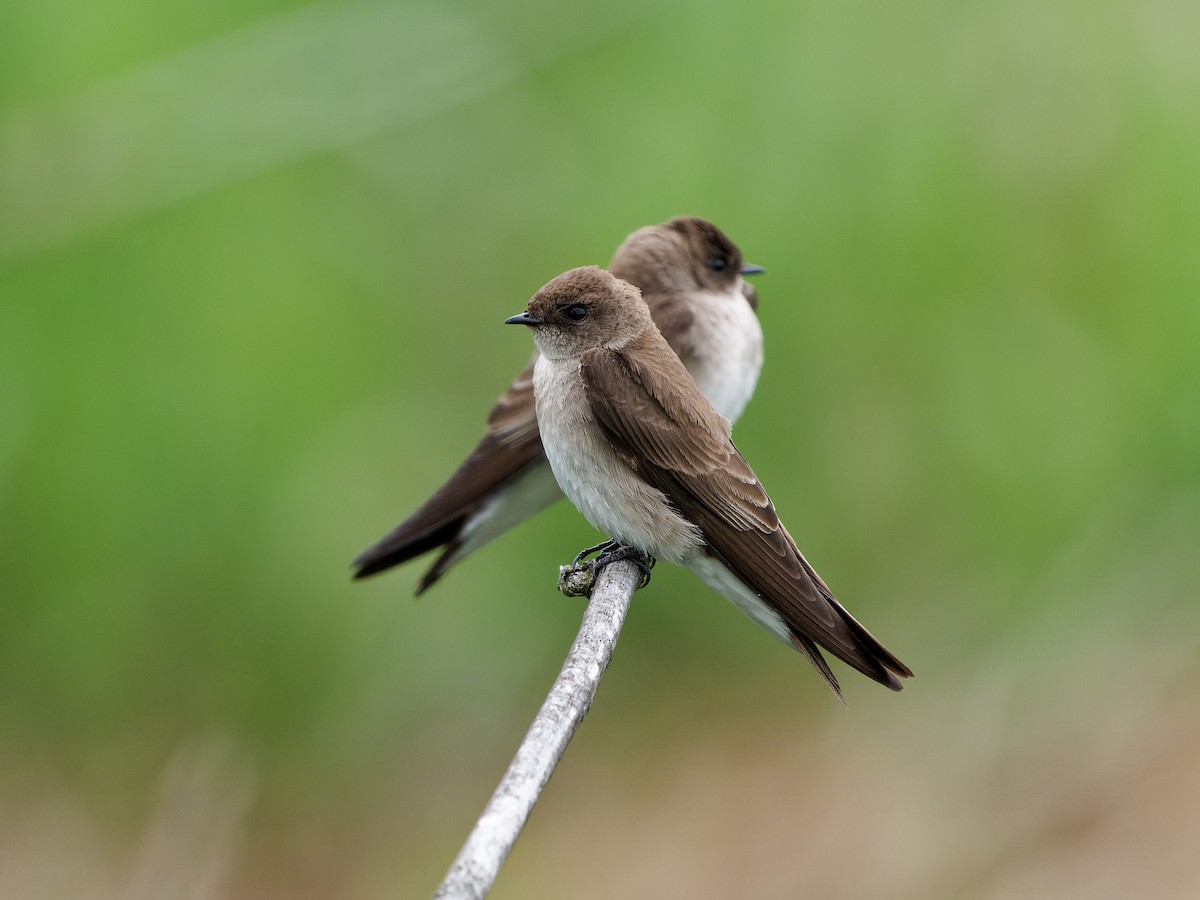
(478, 863)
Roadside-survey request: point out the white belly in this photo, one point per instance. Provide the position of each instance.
(610, 496)
(729, 351)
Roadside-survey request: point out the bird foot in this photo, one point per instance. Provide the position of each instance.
(577, 579)
(601, 548)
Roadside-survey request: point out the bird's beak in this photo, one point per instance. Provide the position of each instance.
(752, 269)
(522, 319)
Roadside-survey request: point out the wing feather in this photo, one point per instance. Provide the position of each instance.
(654, 416)
(511, 444)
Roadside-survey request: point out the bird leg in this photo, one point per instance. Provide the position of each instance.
(577, 579)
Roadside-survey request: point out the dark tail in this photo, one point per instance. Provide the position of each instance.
(401, 545)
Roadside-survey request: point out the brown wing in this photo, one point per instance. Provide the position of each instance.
(674, 315)
(511, 444)
(668, 433)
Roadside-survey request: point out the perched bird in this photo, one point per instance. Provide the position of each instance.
(691, 276)
(649, 462)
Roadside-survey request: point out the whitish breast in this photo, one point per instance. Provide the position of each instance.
(594, 478)
(728, 343)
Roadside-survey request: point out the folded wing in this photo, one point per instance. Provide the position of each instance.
(668, 434)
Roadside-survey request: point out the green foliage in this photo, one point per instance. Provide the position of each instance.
(253, 264)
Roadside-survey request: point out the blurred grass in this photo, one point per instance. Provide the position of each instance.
(252, 264)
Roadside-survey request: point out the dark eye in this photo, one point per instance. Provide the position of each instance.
(576, 313)
(717, 264)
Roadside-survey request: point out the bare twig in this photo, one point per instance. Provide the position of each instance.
(478, 863)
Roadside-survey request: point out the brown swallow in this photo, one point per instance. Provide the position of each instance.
(649, 462)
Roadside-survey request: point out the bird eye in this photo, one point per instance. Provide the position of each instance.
(576, 313)
(717, 264)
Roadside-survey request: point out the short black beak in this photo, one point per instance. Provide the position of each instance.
(522, 319)
(752, 269)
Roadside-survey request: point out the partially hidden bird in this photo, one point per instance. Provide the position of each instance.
(692, 278)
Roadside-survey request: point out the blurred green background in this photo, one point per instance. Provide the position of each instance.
(254, 259)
